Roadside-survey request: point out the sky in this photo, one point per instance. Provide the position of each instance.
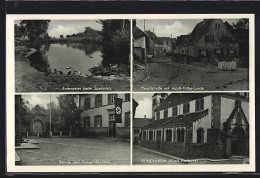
(145, 105)
(40, 99)
(174, 27)
(68, 27)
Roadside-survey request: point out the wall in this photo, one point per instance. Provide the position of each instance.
(94, 111)
(140, 42)
(94, 132)
(123, 133)
(204, 122)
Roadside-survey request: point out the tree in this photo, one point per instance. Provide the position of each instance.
(69, 111)
(241, 35)
(116, 40)
(36, 30)
(61, 36)
(19, 31)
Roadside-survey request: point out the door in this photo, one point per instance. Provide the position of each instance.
(158, 140)
(112, 129)
(37, 127)
(239, 142)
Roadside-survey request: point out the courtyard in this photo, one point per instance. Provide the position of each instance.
(76, 151)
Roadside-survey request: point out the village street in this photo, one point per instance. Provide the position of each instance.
(171, 74)
(76, 151)
(145, 156)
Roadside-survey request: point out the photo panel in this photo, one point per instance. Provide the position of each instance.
(71, 55)
(191, 128)
(191, 54)
(72, 129)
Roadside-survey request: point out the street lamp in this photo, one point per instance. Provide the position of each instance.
(50, 133)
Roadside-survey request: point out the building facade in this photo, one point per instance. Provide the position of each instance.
(208, 42)
(98, 116)
(195, 126)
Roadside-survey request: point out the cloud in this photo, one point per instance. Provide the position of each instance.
(41, 100)
(144, 108)
(176, 29)
(61, 30)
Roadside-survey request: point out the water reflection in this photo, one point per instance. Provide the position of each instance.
(67, 57)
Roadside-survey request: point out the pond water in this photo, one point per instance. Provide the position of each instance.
(69, 57)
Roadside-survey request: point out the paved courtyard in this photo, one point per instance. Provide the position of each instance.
(145, 156)
(76, 151)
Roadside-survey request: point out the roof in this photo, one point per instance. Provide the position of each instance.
(200, 29)
(177, 120)
(175, 99)
(137, 32)
(230, 28)
(141, 122)
(153, 36)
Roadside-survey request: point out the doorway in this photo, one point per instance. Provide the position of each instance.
(239, 142)
(112, 129)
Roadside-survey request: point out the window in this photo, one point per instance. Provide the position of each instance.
(136, 131)
(150, 135)
(111, 98)
(174, 111)
(165, 113)
(98, 100)
(203, 52)
(217, 25)
(127, 97)
(231, 52)
(218, 52)
(87, 103)
(111, 117)
(186, 108)
(127, 119)
(158, 115)
(199, 105)
(200, 135)
(86, 122)
(154, 101)
(168, 135)
(98, 121)
(180, 135)
(209, 38)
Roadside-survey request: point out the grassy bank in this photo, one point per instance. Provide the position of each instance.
(28, 79)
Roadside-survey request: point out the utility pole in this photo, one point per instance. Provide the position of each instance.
(144, 25)
(153, 42)
(50, 134)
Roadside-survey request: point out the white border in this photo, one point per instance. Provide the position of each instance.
(10, 86)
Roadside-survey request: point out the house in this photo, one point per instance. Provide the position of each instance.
(169, 45)
(97, 118)
(208, 125)
(155, 44)
(138, 123)
(140, 43)
(209, 41)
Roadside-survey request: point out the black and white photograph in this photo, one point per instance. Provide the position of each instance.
(69, 129)
(191, 128)
(191, 54)
(72, 55)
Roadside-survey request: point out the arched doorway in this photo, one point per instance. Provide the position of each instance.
(37, 127)
(239, 141)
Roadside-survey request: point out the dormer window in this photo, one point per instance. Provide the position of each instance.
(174, 111)
(165, 113)
(199, 105)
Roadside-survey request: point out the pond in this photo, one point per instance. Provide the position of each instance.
(67, 57)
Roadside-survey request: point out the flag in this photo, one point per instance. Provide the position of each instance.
(118, 110)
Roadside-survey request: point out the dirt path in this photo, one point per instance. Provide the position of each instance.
(179, 75)
(28, 79)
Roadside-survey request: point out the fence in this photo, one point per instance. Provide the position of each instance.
(54, 134)
(227, 65)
